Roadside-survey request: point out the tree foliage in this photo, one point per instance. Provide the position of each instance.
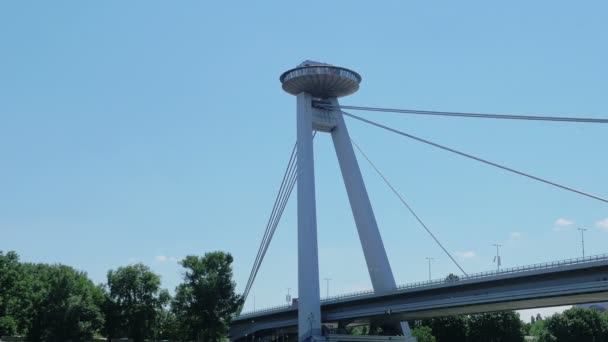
(134, 302)
(450, 328)
(495, 327)
(525, 328)
(423, 334)
(11, 291)
(452, 277)
(64, 304)
(537, 328)
(485, 327)
(575, 325)
(205, 301)
(359, 330)
(166, 327)
(55, 303)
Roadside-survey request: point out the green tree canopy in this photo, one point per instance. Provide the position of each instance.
(452, 277)
(205, 301)
(134, 302)
(447, 329)
(537, 328)
(64, 304)
(423, 334)
(495, 327)
(11, 288)
(575, 325)
(167, 326)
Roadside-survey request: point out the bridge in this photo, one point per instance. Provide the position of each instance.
(582, 280)
(317, 87)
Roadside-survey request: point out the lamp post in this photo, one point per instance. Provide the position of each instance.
(497, 257)
(327, 287)
(429, 259)
(583, 239)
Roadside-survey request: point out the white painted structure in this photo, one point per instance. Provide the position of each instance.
(317, 81)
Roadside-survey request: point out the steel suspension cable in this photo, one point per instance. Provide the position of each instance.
(506, 168)
(290, 187)
(276, 206)
(289, 179)
(468, 115)
(408, 206)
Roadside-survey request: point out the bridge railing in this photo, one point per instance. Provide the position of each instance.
(538, 266)
(473, 276)
(510, 270)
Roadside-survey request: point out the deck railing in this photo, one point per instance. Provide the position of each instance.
(474, 276)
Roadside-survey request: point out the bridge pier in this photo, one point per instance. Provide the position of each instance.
(312, 80)
(378, 266)
(309, 301)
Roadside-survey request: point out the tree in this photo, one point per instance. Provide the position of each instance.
(359, 330)
(447, 329)
(495, 327)
(10, 293)
(166, 327)
(452, 277)
(576, 324)
(134, 301)
(8, 325)
(64, 304)
(537, 329)
(206, 300)
(423, 334)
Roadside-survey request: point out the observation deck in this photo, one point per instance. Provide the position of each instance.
(320, 80)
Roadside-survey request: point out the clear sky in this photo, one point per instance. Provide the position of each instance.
(149, 130)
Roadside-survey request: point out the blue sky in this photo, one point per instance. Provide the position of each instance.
(150, 130)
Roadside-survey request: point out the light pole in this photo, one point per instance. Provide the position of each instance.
(497, 257)
(327, 283)
(288, 296)
(429, 259)
(582, 239)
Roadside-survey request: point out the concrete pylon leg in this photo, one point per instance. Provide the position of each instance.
(405, 327)
(373, 249)
(309, 303)
(376, 259)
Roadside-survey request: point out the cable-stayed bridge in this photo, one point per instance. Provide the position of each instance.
(317, 87)
(564, 282)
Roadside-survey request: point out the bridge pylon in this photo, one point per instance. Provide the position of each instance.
(317, 83)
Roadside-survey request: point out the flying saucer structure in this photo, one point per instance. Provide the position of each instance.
(311, 81)
(320, 80)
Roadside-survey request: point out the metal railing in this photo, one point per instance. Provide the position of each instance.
(474, 276)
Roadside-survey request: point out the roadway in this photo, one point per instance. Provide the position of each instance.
(565, 282)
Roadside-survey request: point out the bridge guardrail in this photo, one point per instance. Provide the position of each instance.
(511, 270)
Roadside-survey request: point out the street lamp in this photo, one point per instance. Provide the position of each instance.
(327, 290)
(497, 257)
(583, 239)
(429, 259)
(288, 296)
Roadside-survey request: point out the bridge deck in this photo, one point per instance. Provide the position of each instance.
(548, 284)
